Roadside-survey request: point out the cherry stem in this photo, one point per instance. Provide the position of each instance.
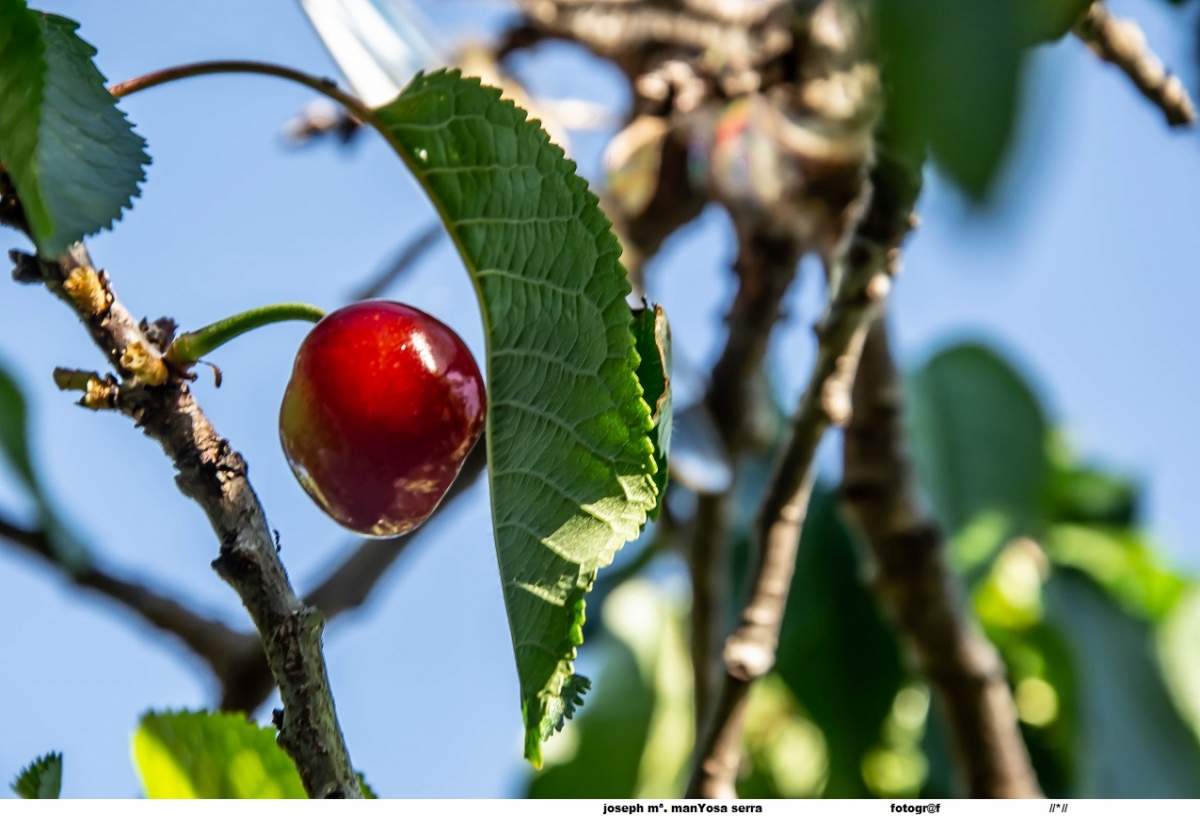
(189, 347)
(321, 85)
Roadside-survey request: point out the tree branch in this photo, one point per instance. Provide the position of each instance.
(765, 267)
(210, 640)
(621, 30)
(1122, 43)
(412, 251)
(916, 586)
(859, 288)
(212, 474)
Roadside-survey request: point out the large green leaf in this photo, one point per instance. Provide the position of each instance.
(41, 779)
(836, 653)
(198, 755)
(978, 438)
(570, 459)
(634, 738)
(73, 156)
(1130, 741)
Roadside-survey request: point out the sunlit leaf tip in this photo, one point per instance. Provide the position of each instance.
(207, 755)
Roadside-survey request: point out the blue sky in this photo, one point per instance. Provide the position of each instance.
(1083, 272)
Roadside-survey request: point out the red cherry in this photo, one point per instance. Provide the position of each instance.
(384, 404)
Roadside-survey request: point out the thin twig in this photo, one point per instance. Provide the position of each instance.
(916, 586)
(1122, 43)
(412, 251)
(860, 288)
(765, 267)
(322, 85)
(213, 475)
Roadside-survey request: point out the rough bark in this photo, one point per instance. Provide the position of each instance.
(916, 586)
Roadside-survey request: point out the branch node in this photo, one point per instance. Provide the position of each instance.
(26, 268)
(84, 286)
(98, 393)
(141, 362)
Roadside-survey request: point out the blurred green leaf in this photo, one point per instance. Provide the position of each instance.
(978, 436)
(952, 74)
(836, 654)
(14, 446)
(787, 753)
(41, 779)
(570, 457)
(1130, 741)
(1179, 651)
(201, 755)
(652, 337)
(635, 737)
(1038, 653)
(14, 440)
(1048, 20)
(1077, 493)
(73, 156)
(1120, 561)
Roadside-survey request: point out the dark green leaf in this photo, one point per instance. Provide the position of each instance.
(71, 153)
(570, 458)
(952, 74)
(836, 654)
(42, 779)
(652, 336)
(200, 755)
(1048, 20)
(367, 791)
(978, 438)
(1130, 741)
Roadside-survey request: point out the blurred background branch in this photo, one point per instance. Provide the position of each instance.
(1121, 42)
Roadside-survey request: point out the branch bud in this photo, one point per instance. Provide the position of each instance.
(84, 287)
(143, 364)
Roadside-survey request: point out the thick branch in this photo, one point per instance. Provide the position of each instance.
(212, 474)
(1122, 43)
(248, 682)
(915, 584)
(860, 287)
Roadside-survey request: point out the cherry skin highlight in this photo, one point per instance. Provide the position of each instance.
(384, 404)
